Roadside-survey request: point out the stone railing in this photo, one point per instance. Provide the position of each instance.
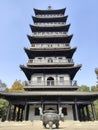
(50, 24)
(50, 46)
(50, 16)
(51, 83)
(50, 61)
(49, 34)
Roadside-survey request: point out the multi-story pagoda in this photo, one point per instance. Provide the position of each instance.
(50, 72)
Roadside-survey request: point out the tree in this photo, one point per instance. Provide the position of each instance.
(17, 87)
(94, 88)
(96, 71)
(3, 86)
(83, 88)
(3, 108)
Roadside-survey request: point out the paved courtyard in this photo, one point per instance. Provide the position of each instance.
(37, 125)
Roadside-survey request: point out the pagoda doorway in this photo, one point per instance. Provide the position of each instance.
(50, 81)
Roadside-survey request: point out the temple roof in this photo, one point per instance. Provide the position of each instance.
(70, 95)
(52, 39)
(29, 71)
(57, 11)
(63, 28)
(68, 53)
(46, 20)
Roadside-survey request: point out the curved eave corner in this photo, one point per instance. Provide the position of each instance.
(76, 69)
(72, 51)
(26, 51)
(69, 38)
(69, 70)
(27, 74)
(29, 38)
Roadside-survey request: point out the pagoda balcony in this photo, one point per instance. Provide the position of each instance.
(49, 61)
(50, 34)
(49, 19)
(50, 84)
(50, 46)
(50, 16)
(51, 24)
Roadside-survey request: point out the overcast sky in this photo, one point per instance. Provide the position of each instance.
(15, 17)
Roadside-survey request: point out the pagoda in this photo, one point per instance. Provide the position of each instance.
(50, 71)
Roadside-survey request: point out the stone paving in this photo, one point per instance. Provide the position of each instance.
(37, 125)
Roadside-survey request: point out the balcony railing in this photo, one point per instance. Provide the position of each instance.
(50, 62)
(50, 34)
(50, 16)
(50, 24)
(50, 83)
(50, 46)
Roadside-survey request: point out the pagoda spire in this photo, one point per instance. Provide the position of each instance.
(49, 7)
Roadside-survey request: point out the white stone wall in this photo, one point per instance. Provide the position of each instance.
(69, 115)
(32, 117)
(32, 112)
(34, 79)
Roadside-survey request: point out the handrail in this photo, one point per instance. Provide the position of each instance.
(51, 83)
(54, 61)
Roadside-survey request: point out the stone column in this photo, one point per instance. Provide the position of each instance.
(14, 113)
(8, 117)
(79, 113)
(76, 112)
(18, 114)
(25, 111)
(93, 111)
(87, 111)
(83, 113)
(21, 115)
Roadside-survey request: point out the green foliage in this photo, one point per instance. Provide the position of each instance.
(17, 87)
(94, 88)
(3, 86)
(83, 88)
(3, 108)
(96, 108)
(96, 71)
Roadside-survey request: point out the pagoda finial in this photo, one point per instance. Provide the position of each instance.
(49, 7)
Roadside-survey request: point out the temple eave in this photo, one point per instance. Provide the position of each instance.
(51, 29)
(51, 39)
(58, 11)
(31, 53)
(81, 96)
(43, 20)
(54, 70)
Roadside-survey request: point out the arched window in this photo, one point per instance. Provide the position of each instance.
(50, 81)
